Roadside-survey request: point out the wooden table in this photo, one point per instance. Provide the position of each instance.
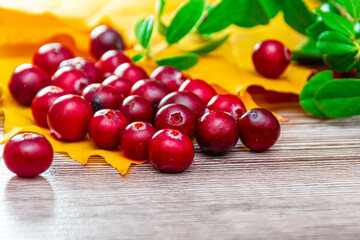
(306, 187)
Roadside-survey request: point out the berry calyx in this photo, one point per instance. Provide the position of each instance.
(227, 103)
(70, 79)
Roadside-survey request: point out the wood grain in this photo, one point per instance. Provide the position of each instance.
(306, 187)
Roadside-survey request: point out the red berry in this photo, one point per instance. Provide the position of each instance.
(217, 132)
(85, 65)
(102, 97)
(228, 103)
(171, 151)
(110, 60)
(68, 117)
(152, 90)
(26, 81)
(178, 117)
(271, 58)
(122, 85)
(106, 127)
(70, 79)
(103, 39)
(137, 109)
(259, 129)
(42, 102)
(131, 72)
(200, 88)
(28, 154)
(49, 56)
(169, 76)
(135, 140)
(187, 99)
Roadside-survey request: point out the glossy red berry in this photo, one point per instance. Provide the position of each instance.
(122, 85)
(200, 88)
(25, 82)
(171, 151)
(135, 140)
(28, 154)
(106, 127)
(110, 60)
(102, 97)
(131, 72)
(171, 77)
(227, 103)
(68, 117)
(271, 58)
(152, 90)
(217, 132)
(187, 99)
(71, 79)
(259, 129)
(49, 56)
(85, 65)
(42, 102)
(178, 117)
(103, 39)
(137, 109)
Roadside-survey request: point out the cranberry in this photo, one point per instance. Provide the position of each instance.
(28, 154)
(102, 97)
(200, 88)
(68, 117)
(170, 76)
(131, 72)
(43, 100)
(135, 140)
(25, 82)
(217, 132)
(187, 99)
(228, 103)
(70, 79)
(122, 85)
(171, 151)
(152, 90)
(110, 60)
(271, 58)
(259, 129)
(106, 127)
(178, 117)
(85, 65)
(136, 109)
(49, 56)
(103, 39)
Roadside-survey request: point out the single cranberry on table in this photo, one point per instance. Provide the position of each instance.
(43, 100)
(103, 39)
(135, 140)
(152, 90)
(28, 154)
(85, 65)
(131, 72)
(137, 109)
(68, 117)
(271, 58)
(25, 82)
(49, 56)
(259, 129)
(171, 151)
(102, 97)
(71, 79)
(170, 76)
(106, 127)
(227, 103)
(187, 99)
(200, 88)
(122, 85)
(110, 60)
(178, 117)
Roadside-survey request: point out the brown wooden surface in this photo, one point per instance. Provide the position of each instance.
(306, 187)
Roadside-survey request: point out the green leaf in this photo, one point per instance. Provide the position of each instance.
(143, 31)
(307, 53)
(341, 63)
(337, 23)
(329, 7)
(185, 19)
(316, 29)
(307, 96)
(351, 6)
(137, 57)
(159, 10)
(339, 98)
(211, 45)
(334, 43)
(181, 62)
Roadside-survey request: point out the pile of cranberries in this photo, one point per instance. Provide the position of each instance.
(118, 104)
